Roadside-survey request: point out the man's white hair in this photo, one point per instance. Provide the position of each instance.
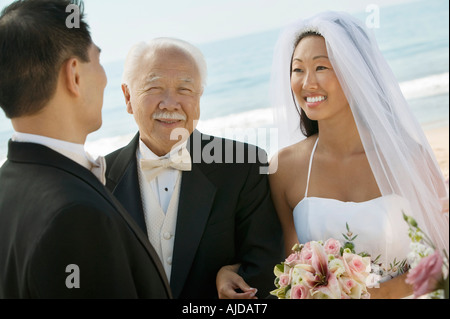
(137, 52)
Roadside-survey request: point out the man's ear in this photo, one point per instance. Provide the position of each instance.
(71, 74)
(127, 95)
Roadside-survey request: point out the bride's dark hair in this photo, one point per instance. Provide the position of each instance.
(307, 126)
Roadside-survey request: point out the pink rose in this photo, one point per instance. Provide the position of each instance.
(349, 284)
(332, 247)
(292, 259)
(426, 275)
(299, 292)
(306, 254)
(357, 267)
(284, 280)
(351, 288)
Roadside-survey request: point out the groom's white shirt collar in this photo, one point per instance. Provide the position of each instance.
(73, 151)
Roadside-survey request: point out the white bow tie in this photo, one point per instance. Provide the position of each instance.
(98, 167)
(152, 167)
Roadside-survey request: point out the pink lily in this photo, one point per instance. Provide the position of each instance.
(325, 282)
(319, 259)
(331, 290)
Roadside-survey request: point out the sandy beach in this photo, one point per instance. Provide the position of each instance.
(439, 141)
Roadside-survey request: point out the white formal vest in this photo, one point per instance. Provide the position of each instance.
(160, 226)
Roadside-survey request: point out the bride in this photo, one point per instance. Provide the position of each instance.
(365, 159)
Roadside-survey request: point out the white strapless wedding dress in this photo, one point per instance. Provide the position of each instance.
(378, 224)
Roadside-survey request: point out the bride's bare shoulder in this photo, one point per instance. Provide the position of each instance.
(295, 156)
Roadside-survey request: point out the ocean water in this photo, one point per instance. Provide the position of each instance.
(413, 37)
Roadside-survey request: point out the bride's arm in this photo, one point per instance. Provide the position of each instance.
(278, 181)
(395, 288)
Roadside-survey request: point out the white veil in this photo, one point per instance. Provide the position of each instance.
(399, 154)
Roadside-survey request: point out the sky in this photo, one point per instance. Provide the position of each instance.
(116, 25)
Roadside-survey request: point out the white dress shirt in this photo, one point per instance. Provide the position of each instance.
(73, 151)
(164, 184)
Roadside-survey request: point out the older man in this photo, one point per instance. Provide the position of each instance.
(201, 200)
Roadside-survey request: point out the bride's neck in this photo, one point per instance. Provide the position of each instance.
(340, 137)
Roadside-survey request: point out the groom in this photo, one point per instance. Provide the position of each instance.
(201, 200)
(62, 233)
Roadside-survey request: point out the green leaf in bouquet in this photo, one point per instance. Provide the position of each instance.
(278, 269)
(403, 266)
(375, 261)
(276, 282)
(349, 232)
(411, 221)
(349, 245)
(280, 293)
(365, 254)
(349, 236)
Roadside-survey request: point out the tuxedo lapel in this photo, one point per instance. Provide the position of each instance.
(122, 179)
(196, 199)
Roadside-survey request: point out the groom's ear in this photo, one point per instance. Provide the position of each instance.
(71, 75)
(127, 95)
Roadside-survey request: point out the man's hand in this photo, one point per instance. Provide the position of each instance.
(228, 281)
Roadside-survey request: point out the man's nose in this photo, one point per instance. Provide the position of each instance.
(170, 101)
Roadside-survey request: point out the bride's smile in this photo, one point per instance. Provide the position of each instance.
(312, 101)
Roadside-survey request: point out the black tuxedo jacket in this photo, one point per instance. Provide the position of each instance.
(225, 214)
(59, 226)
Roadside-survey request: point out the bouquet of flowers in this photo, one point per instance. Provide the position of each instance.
(319, 270)
(429, 267)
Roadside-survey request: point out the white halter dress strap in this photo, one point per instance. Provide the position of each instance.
(309, 168)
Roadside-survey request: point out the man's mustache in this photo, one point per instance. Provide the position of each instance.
(164, 115)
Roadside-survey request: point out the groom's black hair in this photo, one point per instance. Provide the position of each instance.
(35, 41)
